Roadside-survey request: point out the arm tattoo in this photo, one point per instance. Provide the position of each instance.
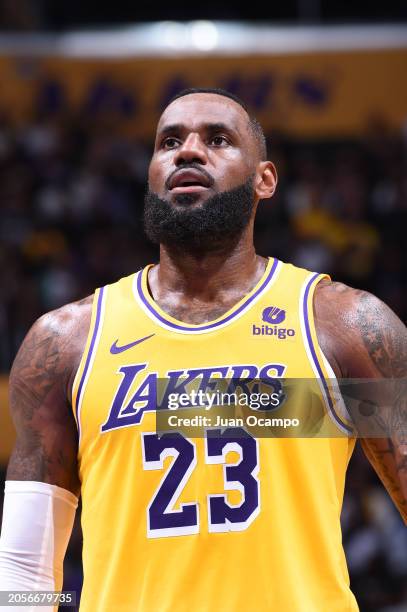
(372, 345)
(34, 371)
(46, 444)
(385, 340)
(391, 467)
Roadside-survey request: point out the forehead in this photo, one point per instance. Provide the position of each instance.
(196, 110)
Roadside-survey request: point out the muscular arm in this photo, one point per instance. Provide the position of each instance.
(40, 389)
(363, 338)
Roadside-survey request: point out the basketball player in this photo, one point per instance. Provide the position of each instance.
(228, 522)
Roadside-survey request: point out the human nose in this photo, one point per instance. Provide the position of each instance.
(191, 150)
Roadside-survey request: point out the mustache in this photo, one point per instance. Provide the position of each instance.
(190, 166)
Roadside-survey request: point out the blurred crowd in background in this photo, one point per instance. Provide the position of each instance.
(71, 193)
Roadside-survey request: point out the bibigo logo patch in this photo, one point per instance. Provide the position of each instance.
(274, 316)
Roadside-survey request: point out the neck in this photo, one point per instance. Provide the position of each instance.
(207, 277)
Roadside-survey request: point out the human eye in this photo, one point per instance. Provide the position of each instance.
(170, 142)
(219, 140)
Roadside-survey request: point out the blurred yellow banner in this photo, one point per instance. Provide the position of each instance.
(304, 94)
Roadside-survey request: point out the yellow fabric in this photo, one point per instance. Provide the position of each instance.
(289, 556)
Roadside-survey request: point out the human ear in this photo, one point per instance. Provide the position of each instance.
(266, 180)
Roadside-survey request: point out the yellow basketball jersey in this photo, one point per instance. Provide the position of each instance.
(229, 522)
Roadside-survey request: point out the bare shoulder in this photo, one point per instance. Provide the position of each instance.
(360, 335)
(40, 396)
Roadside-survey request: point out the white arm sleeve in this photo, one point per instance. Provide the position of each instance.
(37, 525)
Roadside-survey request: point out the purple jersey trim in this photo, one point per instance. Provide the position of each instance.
(89, 355)
(315, 358)
(207, 326)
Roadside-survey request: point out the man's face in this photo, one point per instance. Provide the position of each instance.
(204, 146)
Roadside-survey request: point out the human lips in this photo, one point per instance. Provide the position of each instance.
(187, 180)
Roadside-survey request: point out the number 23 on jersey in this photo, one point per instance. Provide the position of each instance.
(163, 520)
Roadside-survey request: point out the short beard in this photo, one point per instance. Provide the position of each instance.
(215, 225)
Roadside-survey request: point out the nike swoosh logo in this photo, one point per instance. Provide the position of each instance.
(114, 349)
